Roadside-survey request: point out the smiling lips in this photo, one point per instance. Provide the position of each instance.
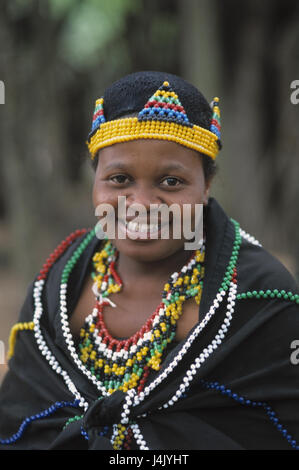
(141, 230)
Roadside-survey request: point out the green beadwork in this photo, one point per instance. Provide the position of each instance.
(272, 294)
(72, 420)
(233, 259)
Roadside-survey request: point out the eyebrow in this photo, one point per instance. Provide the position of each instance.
(173, 166)
(166, 167)
(117, 165)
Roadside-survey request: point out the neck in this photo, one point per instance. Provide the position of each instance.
(132, 270)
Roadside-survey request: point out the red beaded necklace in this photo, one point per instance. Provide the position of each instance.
(124, 364)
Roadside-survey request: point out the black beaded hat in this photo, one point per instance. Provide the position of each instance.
(167, 108)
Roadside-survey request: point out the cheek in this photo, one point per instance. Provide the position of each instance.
(192, 208)
(102, 195)
(192, 196)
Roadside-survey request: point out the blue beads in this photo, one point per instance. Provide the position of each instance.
(97, 122)
(215, 130)
(144, 112)
(247, 402)
(84, 433)
(43, 414)
(164, 113)
(102, 433)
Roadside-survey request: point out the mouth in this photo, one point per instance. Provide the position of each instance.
(137, 230)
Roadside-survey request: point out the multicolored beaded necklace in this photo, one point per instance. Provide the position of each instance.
(126, 364)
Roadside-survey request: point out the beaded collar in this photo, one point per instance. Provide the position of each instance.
(126, 364)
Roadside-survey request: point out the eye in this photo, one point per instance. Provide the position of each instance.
(171, 181)
(119, 179)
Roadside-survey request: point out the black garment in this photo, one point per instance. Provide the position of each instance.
(244, 396)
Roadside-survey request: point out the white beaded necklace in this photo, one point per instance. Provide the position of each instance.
(44, 349)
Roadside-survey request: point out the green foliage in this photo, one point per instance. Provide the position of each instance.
(89, 27)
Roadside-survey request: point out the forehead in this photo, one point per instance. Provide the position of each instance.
(148, 153)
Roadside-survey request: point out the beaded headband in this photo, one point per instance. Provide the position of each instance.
(163, 117)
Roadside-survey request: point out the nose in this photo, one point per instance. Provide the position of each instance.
(143, 196)
(142, 199)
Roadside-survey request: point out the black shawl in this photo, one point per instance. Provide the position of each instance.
(245, 394)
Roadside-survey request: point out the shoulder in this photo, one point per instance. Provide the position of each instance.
(65, 248)
(259, 270)
(71, 255)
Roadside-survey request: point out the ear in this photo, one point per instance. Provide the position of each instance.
(207, 192)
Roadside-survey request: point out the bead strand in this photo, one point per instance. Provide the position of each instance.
(72, 420)
(38, 312)
(169, 369)
(45, 351)
(229, 278)
(115, 429)
(42, 414)
(269, 294)
(129, 438)
(249, 238)
(233, 259)
(119, 437)
(129, 398)
(248, 402)
(63, 312)
(13, 335)
(84, 433)
(204, 355)
(139, 437)
(58, 252)
(64, 317)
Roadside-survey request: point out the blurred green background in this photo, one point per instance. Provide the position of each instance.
(57, 57)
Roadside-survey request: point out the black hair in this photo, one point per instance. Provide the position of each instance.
(128, 96)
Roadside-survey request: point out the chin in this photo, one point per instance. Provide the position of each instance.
(148, 250)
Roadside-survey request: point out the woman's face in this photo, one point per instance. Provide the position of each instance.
(149, 172)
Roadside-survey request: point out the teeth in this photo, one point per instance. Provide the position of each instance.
(132, 226)
(154, 228)
(143, 228)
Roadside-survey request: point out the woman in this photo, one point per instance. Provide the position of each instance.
(141, 341)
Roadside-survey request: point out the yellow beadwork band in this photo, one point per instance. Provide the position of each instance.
(126, 129)
(13, 335)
